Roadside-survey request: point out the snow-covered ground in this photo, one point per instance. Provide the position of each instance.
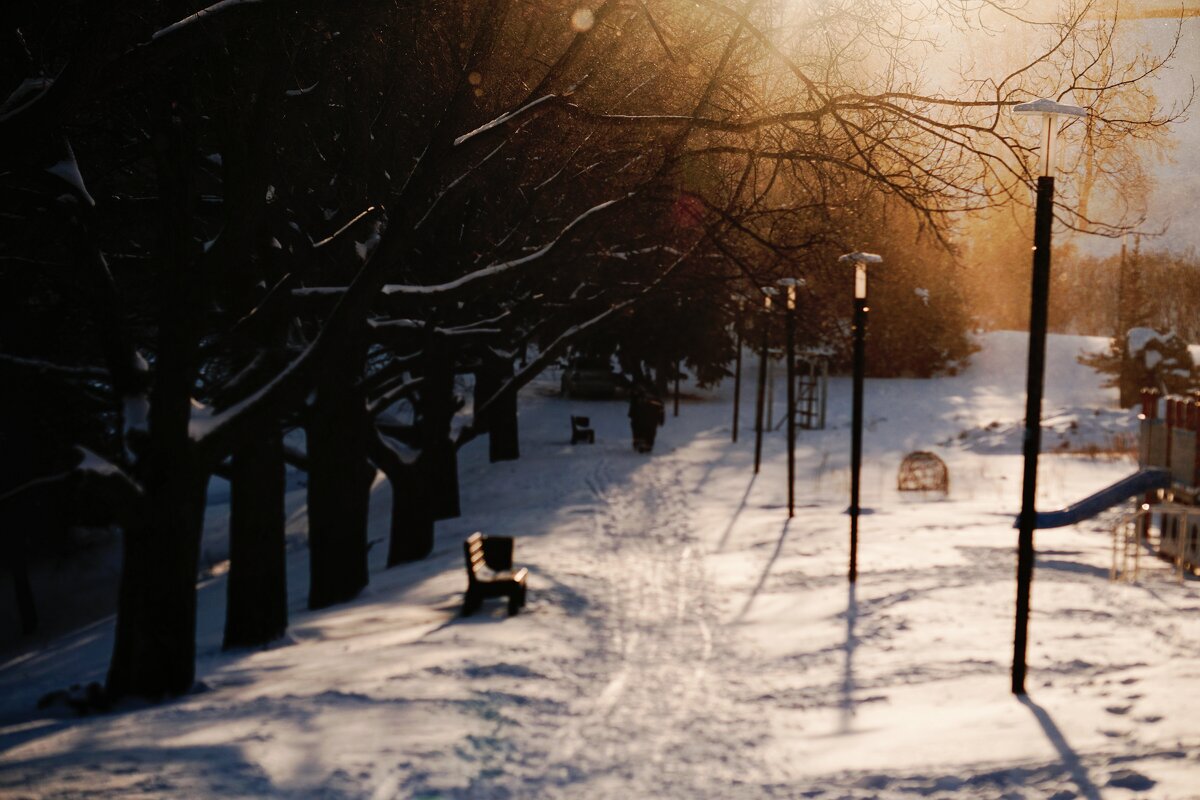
(684, 639)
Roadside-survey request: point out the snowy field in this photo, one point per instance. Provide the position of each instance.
(683, 639)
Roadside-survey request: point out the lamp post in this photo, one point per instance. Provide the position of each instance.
(768, 291)
(860, 261)
(737, 360)
(678, 375)
(1048, 112)
(790, 285)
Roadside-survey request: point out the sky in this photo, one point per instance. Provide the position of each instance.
(1176, 200)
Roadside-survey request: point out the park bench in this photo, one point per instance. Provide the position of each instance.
(581, 432)
(490, 573)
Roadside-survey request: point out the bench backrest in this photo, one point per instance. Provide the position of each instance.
(473, 551)
(494, 552)
(580, 422)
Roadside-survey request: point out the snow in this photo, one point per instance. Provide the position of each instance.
(26, 91)
(67, 170)
(301, 91)
(683, 638)
(98, 465)
(1140, 338)
(136, 416)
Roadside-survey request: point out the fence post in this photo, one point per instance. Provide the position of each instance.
(1170, 412)
(1149, 412)
(1194, 412)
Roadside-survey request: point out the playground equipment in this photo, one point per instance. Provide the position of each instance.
(812, 390)
(1170, 443)
(922, 471)
(1167, 520)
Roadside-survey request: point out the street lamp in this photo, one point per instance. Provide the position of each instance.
(860, 261)
(790, 286)
(768, 293)
(737, 379)
(1048, 113)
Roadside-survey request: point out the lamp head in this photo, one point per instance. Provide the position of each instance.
(790, 286)
(768, 293)
(1048, 111)
(860, 261)
(866, 258)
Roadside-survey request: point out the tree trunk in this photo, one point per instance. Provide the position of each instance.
(26, 606)
(256, 605)
(438, 462)
(339, 485)
(487, 381)
(154, 653)
(503, 442)
(411, 534)
(412, 519)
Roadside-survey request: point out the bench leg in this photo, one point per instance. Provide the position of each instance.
(471, 603)
(516, 600)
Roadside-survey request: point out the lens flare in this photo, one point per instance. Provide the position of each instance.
(583, 19)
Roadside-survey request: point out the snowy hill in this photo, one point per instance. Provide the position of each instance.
(684, 639)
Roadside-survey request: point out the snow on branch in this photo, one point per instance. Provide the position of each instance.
(504, 266)
(101, 467)
(504, 119)
(393, 395)
(89, 464)
(333, 237)
(396, 324)
(404, 325)
(388, 454)
(301, 91)
(27, 92)
(202, 14)
(319, 291)
(50, 368)
(67, 171)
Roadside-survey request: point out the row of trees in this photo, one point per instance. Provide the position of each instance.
(220, 223)
(1135, 287)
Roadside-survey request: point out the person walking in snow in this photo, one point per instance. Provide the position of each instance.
(645, 415)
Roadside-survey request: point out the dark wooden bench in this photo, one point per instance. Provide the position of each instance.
(490, 573)
(581, 432)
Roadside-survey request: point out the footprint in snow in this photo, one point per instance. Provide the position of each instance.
(1129, 779)
(1118, 710)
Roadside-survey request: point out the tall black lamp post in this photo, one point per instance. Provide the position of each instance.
(1048, 112)
(860, 261)
(768, 291)
(737, 375)
(790, 286)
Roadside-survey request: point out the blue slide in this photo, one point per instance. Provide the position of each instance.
(1138, 483)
